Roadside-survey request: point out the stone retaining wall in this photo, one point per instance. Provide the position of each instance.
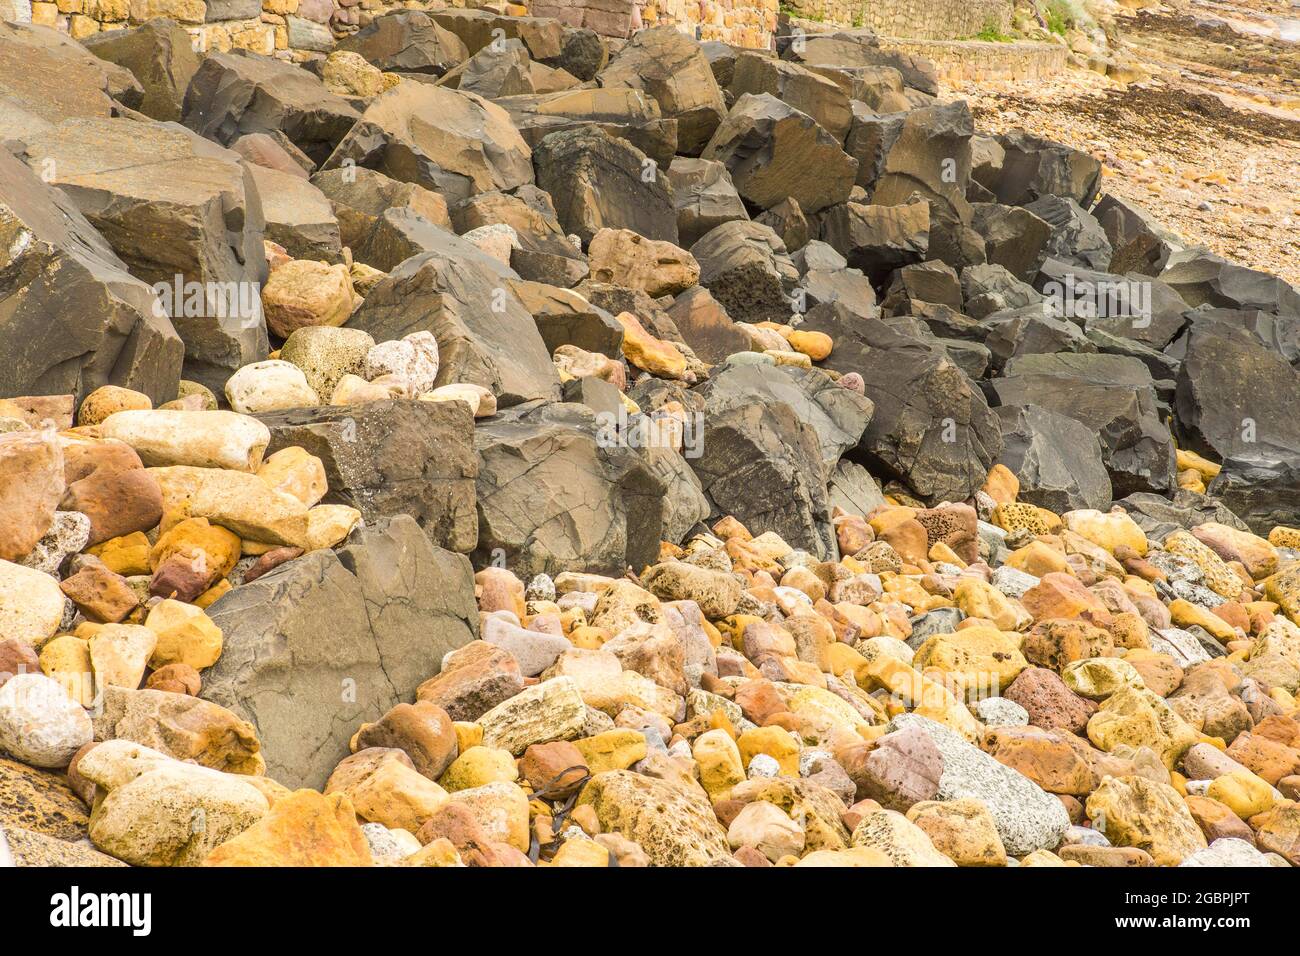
(300, 29)
(975, 61)
(921, 19)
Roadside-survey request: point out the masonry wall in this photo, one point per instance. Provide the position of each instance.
(299, 29)
(919, 19)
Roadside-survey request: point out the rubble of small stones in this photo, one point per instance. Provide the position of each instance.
(577, 452)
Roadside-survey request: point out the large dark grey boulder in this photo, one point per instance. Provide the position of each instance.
(931, 158)
(184, 215)
(453, 143)
(1057, 459)
(74, 318)
(1236, 397)
(622, 112)
(931, 428)
(598, 182)
(1262, 493)
(233, 94)
(1114, 396)
(1033, 167)
(772, 439)
(330, 640)
(557, 491)
(160, 54)
(396, 457)
(745, 266)
(771, 149)
(1203, 278)
(47, 77)
(705, 198)
(669, 66)
(408, 41)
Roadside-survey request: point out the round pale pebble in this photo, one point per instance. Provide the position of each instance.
(326, 354)
(188, 389)
(355, 390)
(106, 400)
(39, 724)
(269, 386)
(413, 359)
(480, 400)
(853, 382)
(31, 604)
(750, 358)
(1000, 712)
(496, 240)
(763, 765)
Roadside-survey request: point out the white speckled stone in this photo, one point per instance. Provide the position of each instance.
(1027, 817)
(1227, 851)
(1000, 712)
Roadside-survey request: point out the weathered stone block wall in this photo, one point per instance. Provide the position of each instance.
(920, 19)
(974, 61)
(290, 28)
(747, 23)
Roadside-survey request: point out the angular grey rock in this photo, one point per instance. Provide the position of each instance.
(706, 326)
(557, 492)
(564, 317)
(160, 54)
(1033, 167)
(485, 335)
(870, 138)
(669, 66)
(1263, 493)
(408, 41)
(298, 216)
(772, 438)
(704, 197)
(1113, 396)
(1076, 238)
(329, 640)
(1057, 459)
(360, 196)
(545, 253)
(456, 144)
(47, 77)
(394, 457)
(1232, 398)
(178, 210)
(878, 239)
(1202, 278)
(769, 147)
(233, 94)
(931, 158)
(598, 182)
(746, 267)
(1014, 238)
(797, 87)
(623, 113)
(503, 69)
(1031, 330)
(931, 427)
(1138, 243)
(75, 318)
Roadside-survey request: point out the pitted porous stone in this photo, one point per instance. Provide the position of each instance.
(1027, 817)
